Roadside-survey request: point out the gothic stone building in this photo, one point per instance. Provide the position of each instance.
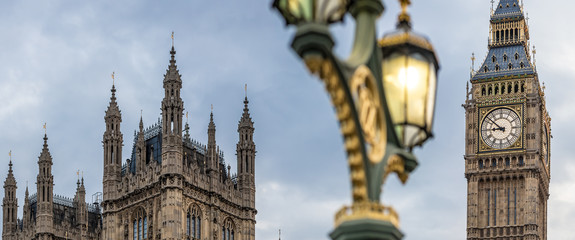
(507, 152)
(46, 215)
(172, 187)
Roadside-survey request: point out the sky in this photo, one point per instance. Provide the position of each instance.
(57, 56)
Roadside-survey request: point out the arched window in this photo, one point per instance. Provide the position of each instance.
(493, 58)
(509, 88)
(480, 164)
(228, 230)
(516, 56)
(486, 69)
(483, 91)
(140, 225)
(193, 222)
(497, 67)
(510, 66)
(505, 57)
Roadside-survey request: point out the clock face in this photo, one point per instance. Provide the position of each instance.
(501, 128)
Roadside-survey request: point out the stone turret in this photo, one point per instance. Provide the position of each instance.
(113, 142)
(9, 206)
(246, 154)
(81, 209)
(45, 187)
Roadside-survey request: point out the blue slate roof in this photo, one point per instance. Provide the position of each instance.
(498, 62)
(507, 9)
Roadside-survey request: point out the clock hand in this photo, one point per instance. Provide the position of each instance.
(494, 122)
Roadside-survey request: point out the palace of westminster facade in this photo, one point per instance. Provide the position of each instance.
(172, 187)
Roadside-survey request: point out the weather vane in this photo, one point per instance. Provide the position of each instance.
(113, 78)
(172, 38)
(246, 89)
(45, 131)
(10, 155)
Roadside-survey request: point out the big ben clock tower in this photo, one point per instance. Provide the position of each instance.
(507, 137)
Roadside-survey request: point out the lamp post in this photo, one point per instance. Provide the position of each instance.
(384, 98)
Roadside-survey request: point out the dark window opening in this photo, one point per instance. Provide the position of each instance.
(522, 87)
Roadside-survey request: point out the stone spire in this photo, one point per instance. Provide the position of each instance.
(172, 111)
(172, 150)
(45, 187)
(9, 205)
(81, 208)
(212, 152)
(112, 143)
(140, 148)
(246, 153)
(10, 180)
(26, 214)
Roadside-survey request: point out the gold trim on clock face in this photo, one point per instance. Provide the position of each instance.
(501, 128)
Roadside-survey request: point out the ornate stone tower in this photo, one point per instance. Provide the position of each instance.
(113, 142)
(246, 153)
(172, 153)
(507, 157)
(81, 210)
(45, 186)
(9, 206)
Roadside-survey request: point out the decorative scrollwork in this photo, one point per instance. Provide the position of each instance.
(333, 84)
(366, 97)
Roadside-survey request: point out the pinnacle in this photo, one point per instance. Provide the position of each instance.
(45, 141)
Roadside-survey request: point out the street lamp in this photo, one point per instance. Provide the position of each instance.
(384, 98)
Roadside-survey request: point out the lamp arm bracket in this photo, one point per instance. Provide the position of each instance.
(363, 45)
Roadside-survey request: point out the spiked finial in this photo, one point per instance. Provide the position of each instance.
(404, 18)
